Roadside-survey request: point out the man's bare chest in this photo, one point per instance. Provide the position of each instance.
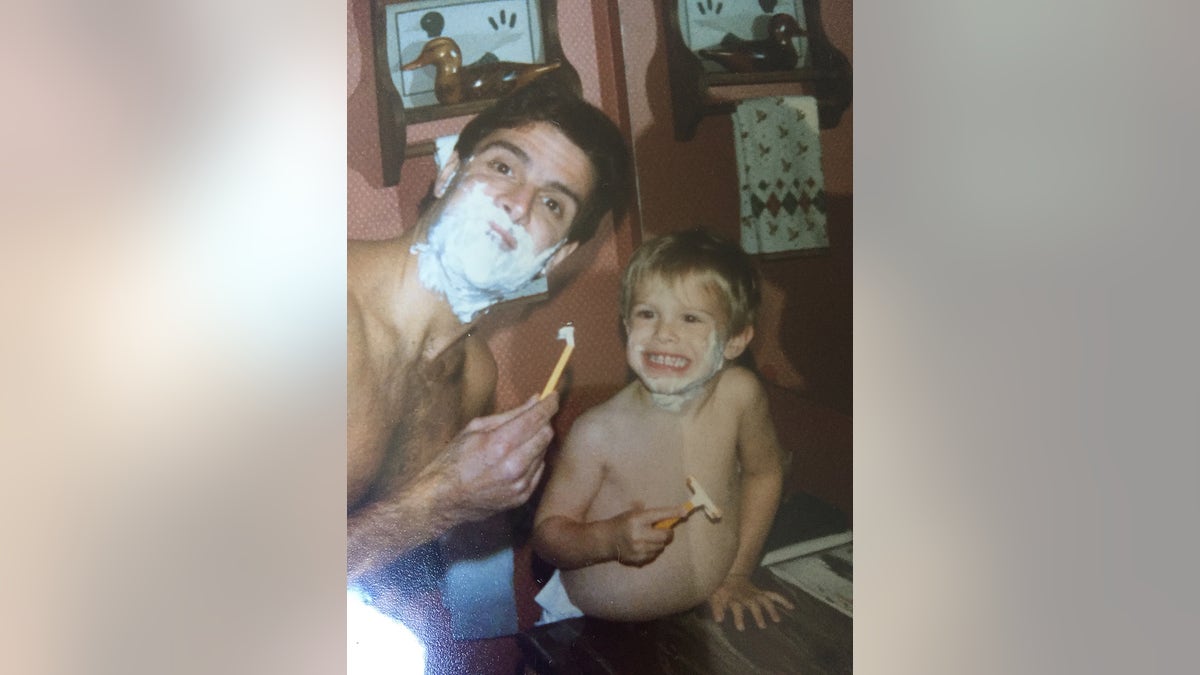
(426, 406)
(408, 410)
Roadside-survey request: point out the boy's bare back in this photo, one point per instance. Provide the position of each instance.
(627, 452)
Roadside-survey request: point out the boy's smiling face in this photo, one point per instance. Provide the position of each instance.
(678, 335)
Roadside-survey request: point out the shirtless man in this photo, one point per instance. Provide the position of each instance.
(528, 181)
(688, 301)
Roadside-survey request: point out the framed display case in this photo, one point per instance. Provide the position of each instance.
(484, 31)
(696, 28)
(706, 24)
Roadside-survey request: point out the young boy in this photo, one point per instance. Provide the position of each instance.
(688, 302)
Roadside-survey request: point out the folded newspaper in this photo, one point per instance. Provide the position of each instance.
(826, 573)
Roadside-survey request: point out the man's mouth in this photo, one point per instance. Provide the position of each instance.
(668, 361)
(507, 241)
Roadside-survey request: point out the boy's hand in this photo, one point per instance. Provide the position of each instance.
(738, 594)
(634, 537)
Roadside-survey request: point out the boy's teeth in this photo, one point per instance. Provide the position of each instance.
(672, 361)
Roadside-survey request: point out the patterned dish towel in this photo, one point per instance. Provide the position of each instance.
(782, 189)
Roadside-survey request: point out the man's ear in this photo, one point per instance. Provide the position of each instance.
(447, 173)
(736, 344)
(561, 255)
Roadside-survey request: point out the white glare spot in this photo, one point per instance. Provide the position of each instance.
(378, 644)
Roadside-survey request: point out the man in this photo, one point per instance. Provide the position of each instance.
(529, 180)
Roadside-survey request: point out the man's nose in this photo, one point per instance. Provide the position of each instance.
(516, 201)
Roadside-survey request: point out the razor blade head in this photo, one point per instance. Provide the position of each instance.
(700, 498)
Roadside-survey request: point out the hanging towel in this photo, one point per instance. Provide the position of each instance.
(782, 189)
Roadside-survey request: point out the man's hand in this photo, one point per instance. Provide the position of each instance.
(738, 594)
(494, 463)
(634, 537)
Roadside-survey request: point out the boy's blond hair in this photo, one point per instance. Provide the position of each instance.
(723, 267)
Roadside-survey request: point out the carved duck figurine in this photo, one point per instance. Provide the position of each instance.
(775, 52)
(454, 83)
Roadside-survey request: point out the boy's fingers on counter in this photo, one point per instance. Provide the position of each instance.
(780, 599)
(756, 611)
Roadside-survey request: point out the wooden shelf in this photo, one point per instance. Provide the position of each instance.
(436, 112)
(798, 75)
(828, 78)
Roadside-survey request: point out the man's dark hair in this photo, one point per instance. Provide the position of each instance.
(545, 100)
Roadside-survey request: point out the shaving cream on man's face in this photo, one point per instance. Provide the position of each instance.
(468, 259)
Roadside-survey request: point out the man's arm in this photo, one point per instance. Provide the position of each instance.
(479, 378)
(399, 521)
(761, 485)
(492, 465)
(564, 539)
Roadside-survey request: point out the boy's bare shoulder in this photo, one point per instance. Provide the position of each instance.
(742, 385)
(602, 421)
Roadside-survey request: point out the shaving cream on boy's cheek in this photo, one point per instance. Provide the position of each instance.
(466, 260)
(671, 392)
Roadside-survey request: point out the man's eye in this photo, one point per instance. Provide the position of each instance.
(554, 206)
(500, 167)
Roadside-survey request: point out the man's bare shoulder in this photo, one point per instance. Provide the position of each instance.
(372, 263)
(375, 286)
(360, 256)
(479, 376)
(356, 335)
(362, 250)
(479, 356)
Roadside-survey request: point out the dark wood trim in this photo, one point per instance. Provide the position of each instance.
(392, 123)
(606, 16)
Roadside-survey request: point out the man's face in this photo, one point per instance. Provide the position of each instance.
(676, 335)
(536, 179)
(503, 215)
(483, 254)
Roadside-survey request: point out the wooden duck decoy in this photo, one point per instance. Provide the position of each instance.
(455, 83)
(775, 52)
